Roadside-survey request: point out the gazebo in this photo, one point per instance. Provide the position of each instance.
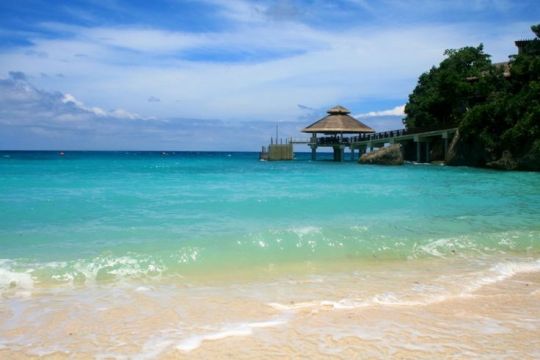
(334, 125)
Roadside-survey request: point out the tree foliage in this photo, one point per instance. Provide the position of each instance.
(509, 119)
(446, 92)
(501, 113)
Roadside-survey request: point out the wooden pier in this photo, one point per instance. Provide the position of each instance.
(276, 152)
(363, 143)
(341, 131)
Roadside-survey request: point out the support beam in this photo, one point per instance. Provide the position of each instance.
(419, 140)
(362, 150)
(313, 144)
(339, 153)
(402, 148)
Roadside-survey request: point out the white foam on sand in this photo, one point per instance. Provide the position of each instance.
(19, 283)
(143, 289)
(386, 299)
(501, 272)
(497, 273)
(243, 329)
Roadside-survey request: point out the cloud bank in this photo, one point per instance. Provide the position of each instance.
(31, 118)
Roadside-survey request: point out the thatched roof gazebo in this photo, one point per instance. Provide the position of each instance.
(338, 121)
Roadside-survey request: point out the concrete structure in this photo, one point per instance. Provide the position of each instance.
(363, 143)
(421, 140)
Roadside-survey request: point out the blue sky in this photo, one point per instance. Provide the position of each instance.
(218, 74)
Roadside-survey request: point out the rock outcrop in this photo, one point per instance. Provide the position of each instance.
(506, 162)
(472, 153)
(461, 153)
(391, 155)
(531, 159)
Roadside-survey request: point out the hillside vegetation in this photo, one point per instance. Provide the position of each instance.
(498, 114)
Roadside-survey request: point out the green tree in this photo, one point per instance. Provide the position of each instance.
(509, 119)
(445, 93)
(498, 114)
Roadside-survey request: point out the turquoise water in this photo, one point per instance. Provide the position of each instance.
(87, 217)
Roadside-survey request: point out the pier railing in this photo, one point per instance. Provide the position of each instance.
(346, 140)
(367, 142)
(378, 136)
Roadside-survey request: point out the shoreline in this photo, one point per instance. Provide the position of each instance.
(374, 310)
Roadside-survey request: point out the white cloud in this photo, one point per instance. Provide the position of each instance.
(23, 104)
(256, 69)
(324, 68)
(240, 11)
(396, 111)
(262, 63)
(145, 40)
(31, 118)
(116, 113)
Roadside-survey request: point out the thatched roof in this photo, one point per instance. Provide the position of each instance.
(338, 121)
(338, 109)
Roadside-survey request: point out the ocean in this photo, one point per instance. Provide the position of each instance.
(218, 254)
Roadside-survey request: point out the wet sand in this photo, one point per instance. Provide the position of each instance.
(449, 309)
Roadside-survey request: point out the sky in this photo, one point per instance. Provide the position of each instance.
(219, 74)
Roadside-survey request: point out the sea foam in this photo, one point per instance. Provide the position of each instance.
(18, 283)
(501, 272)
(433, 294)
(243, 329)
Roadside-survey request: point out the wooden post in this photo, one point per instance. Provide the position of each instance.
(427, 151)
(313, 146)
(338, 152)
(362, 150)
(418, 151)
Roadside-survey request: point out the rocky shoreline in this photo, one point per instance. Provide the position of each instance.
(391, 155)
(460, 153)
(467, 153)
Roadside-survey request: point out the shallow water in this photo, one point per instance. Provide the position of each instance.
(194, 253)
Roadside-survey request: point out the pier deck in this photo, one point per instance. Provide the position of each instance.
(367, 142)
